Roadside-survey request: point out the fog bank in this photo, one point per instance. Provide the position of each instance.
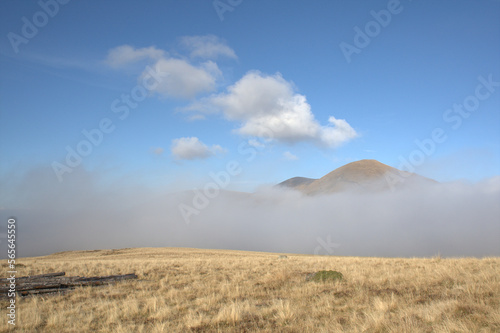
(453, 219)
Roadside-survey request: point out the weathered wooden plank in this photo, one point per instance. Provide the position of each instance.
(34, 277)
(43, 291)
(67, 283)
(54, 282)
(108, 278)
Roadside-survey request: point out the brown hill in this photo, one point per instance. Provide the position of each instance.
(364, 175)
(297, 181)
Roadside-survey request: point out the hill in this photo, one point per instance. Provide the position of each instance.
(363, 175)
(297, 181)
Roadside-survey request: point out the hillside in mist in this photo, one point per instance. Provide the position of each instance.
(296, 182)
(359, 176)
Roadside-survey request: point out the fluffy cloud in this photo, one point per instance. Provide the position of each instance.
(191, 148)
(207, 47)
(267, 107)
(180, 77)
(126, 54)
(184, 80)
(338, 132)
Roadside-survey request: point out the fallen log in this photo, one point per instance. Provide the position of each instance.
(34, 277)
(56, 282)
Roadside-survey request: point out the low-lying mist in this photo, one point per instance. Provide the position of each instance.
(81, 213)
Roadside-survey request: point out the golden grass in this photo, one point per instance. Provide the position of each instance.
(191, 290)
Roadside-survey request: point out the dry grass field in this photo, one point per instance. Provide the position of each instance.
(192, 290)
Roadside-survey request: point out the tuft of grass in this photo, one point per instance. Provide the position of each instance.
(323, 276)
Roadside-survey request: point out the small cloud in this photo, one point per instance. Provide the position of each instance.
(126, 54)
(157, 151)
(340, 132)
(191, 148)
(184, 80)
(180, 78)
(289, 156)
(207, 47)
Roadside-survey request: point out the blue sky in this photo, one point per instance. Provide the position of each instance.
(269, 76)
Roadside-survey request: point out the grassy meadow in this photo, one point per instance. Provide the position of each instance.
(193, 290)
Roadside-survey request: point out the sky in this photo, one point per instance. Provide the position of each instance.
(122, 97)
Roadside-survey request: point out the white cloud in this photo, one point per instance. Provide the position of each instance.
(207, 47)
(183, 80)
(180, 78)
(289, 156)
(268, 107)
(338, 133)
(190, 148)
(126, 54)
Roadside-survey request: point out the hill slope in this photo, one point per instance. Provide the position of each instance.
(363, 175)
(297, 181)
